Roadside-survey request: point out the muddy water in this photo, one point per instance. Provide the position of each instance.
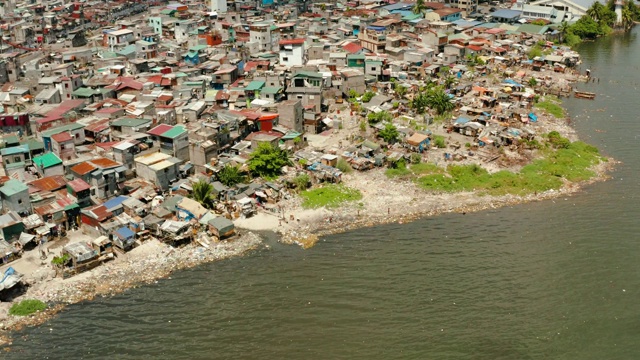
(551, 280)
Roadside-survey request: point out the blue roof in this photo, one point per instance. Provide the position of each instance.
(506, 13)
(125, 233)
(462, 120)
(110, 204)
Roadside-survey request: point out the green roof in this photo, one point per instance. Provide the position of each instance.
(47, 160)
(308, 74)
(193, 83)
(356, 57)
(198, 48)
(33, 144)
(13, 187)
(130, 122)
(533, 29)
(175, 132)
(59, 129)
(11, 139)
(271, 90)
(85, 92)
(255, 85)
(128, 50)
(167, 11)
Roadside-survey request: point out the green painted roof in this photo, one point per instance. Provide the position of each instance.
(175, 132)
(308, 74)
(198, 48)
(13, 187)
(356, 57)
(130, 122)
(85, 92)
(47, 160)
(33, 144)
(128, 50)
(193, 83)
(255, 85)
(10, 139)
(271, 90)
(59, 129)
(532, 29)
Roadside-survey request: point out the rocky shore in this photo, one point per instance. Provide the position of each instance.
(145, 264)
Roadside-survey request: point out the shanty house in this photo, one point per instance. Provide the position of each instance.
(15, 197)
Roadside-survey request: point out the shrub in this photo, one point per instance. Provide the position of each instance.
(415, 158)
(27, 307)
(368, 96)
(343, 166)
(302, 182)
(439, 142)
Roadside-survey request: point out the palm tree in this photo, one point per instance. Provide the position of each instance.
(418, 7)
(563, 29)
(202, 193)
(439, 100)
(627, 18)
(450, 80)
(230, 175)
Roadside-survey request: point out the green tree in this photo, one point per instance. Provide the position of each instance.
(375, 118)
(449, 81)
(418, 7)
(586, 28)
(267, 160)
(533, 82)
(400, 90)
(390, 133)
(368, 96)
(230, 175)
(353, 95)
(202, 193)
(420, 103)
(439, 100)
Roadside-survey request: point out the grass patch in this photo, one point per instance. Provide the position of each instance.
(331, 196)
(27, 307)
(344, 166)
(552, 106)
(570, 163)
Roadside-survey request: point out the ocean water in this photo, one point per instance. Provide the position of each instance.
(556, 279)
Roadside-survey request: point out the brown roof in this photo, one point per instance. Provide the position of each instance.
(83, 168)
(62, 137)
(78, 185)
(104, 163)
(49, 183)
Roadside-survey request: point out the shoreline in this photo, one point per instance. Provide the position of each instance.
(153, 260)
(143, 265)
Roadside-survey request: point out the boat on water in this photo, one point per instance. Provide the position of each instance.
(584, 95)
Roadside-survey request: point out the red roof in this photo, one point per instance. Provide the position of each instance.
(165, 82)
(83, 168)
(160, 129)
(59, 111)
(292, 42)
(78, 185)
(62, 137)
(98, 126)
(474, 47)
(352, 48)
(99, 212)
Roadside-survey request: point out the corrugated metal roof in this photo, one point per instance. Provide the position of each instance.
(47, 160)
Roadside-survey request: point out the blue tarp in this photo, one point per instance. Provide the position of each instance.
(7, 273)
(513, 83)
(110, 204)
(462, 120)
(533, 117)
(125, 233)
